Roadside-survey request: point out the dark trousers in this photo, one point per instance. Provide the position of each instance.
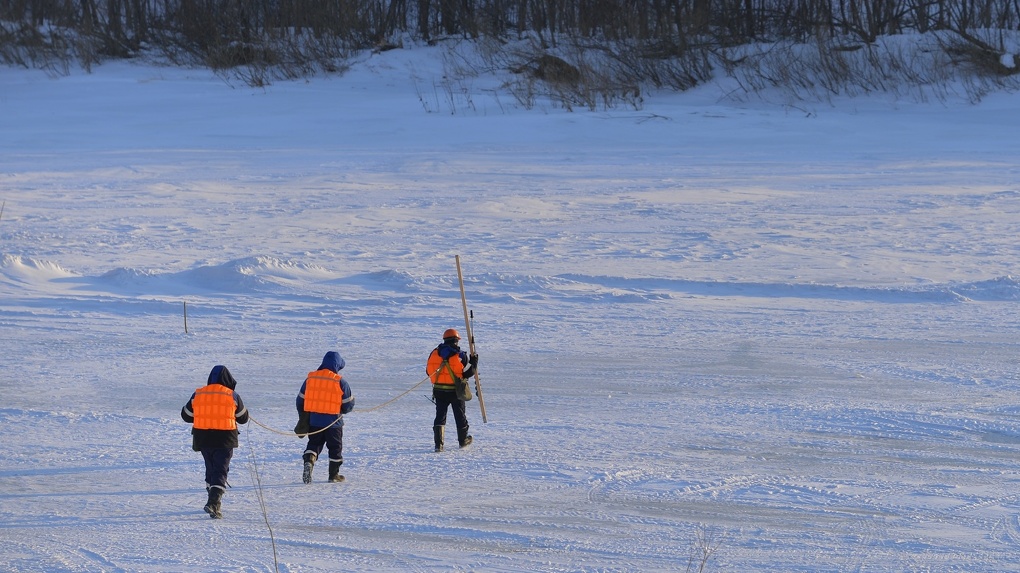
(217, 465)
(444, 400)
(332, 439)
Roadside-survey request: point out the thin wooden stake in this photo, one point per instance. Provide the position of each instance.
(471, 340)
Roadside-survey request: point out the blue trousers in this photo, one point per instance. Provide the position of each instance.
(217, 465)
(444, 400)
(332, 439)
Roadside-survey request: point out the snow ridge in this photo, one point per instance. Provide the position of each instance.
(269, 275)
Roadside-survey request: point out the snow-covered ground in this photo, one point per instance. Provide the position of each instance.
(788, 335)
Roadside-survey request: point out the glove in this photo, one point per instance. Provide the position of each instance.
(473, 360)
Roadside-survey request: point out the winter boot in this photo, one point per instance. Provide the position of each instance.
(212, 507)
(334, 472)
(306, 475)
(463, 438)
(439, 432)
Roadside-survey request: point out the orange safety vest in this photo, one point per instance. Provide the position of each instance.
(214, 408)
(444, 373)
(323, 394)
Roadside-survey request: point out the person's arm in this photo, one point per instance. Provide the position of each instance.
(347, 402)
(188, 412)
(300, 400)
(472, 361)
(428, 362)
(240, 412)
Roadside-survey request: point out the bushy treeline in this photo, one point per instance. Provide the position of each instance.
(124, 26)
(661, 42)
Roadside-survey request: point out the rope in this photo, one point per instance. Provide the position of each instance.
(284, 433)
(256, 480)
(373, 409)
(253, 461)
(401, 395)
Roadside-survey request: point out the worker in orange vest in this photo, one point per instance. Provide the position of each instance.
(214, 411)
(447, 366)
(324, 398)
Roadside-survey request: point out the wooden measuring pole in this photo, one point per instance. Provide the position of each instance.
(471, 339)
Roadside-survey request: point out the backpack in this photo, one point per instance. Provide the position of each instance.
(463, 389)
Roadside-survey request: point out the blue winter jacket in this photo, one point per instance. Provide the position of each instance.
(335, 363)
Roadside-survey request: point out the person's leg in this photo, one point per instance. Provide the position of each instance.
(442, 400)
(335, 443)
(316, 440)
(207, 457)
(217, 468)
(460, 416)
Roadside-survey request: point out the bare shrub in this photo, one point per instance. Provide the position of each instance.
(980, 52)
(910, 66)
(555, 70)
(988, 59)
(704, 546)
(285, 58)
(625, 66)
(46, 48)
(577, 75)
(452, 91)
